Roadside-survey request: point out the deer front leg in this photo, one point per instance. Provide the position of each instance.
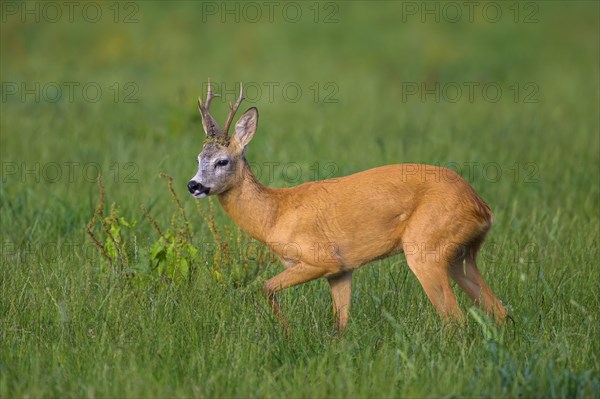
(293, 275)
(341, 289)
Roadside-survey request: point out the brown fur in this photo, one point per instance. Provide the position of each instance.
(330, 228)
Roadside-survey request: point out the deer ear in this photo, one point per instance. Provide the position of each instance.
(245, 127)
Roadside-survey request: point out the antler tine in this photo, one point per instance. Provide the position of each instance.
(233, 110)
(210, 95)
(210, 126)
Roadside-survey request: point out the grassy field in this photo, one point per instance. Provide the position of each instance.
(507, 94)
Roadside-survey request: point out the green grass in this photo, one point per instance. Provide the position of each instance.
(70, 328)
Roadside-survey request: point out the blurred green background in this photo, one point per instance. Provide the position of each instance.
(111, 87)
(135, 83)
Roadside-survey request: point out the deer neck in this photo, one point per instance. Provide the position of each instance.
(250, 205)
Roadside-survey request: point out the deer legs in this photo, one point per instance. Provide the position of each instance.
(341, 288)
(432, 272)
(434, 277)
(467, 276)
(293, 275)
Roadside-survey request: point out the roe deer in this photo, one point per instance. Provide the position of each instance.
(330, 228)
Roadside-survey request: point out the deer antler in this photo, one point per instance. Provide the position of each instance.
(233, 110)
(208, 123)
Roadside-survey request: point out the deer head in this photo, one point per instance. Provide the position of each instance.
(221, 161)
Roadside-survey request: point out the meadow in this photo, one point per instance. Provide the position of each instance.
(505, 93)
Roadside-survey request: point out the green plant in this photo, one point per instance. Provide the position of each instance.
(174, 255)
(119, 245)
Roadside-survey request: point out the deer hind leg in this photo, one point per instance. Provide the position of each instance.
(341, 290)
(464, 271)
(293, 275)
(431, 269)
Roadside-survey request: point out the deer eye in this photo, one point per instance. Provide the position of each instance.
(222, 162)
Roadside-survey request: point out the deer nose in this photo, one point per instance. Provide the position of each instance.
(194, 186)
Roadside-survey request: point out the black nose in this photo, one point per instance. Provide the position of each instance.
(194, 186)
